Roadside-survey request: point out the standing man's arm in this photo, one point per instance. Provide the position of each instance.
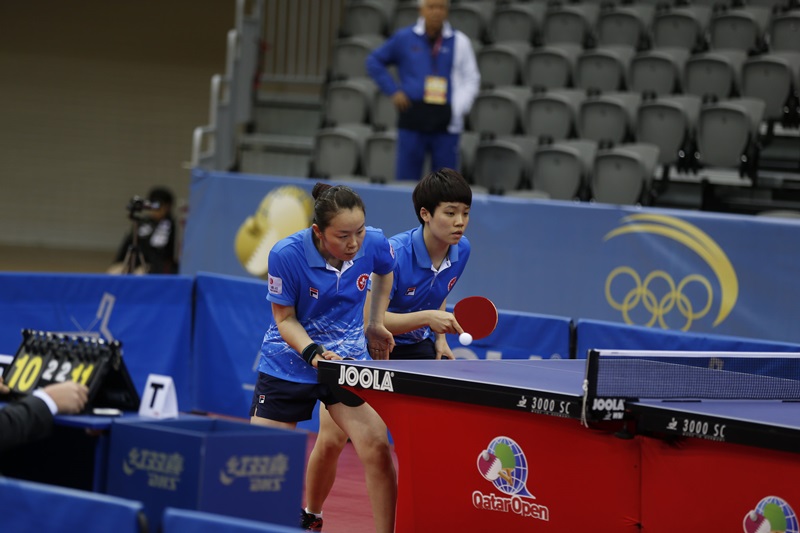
(465, 77)
(377, 64)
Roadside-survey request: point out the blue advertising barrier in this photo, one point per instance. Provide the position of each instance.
(150, 315)
(662, 268)
(30, 506)
(183, 521)
(212, 465)
(596, 334)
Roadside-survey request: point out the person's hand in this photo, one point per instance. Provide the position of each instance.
(443, 350)
(327, 355)
(380, 341)
(70, 397)
(401, 101)
(3, 387)
(444, 322)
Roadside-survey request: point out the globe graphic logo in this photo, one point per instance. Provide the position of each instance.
(504, 464)
(772, 514)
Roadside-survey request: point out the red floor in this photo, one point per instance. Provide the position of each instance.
(347, 509)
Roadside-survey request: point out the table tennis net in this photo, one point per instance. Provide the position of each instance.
(693, 375)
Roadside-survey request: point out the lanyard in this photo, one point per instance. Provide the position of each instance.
(437, 46)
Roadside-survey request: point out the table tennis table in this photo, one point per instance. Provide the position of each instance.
(661, 466)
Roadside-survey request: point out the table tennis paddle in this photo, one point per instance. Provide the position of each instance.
(477, 316)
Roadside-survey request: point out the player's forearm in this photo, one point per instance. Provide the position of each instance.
(399, 323)
(381, 289)
(294, 333)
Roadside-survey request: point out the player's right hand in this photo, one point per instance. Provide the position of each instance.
(70, 397)
(401, 101)
(327, 355)
(444, 322)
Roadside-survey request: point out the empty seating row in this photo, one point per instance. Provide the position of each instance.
(714, 23)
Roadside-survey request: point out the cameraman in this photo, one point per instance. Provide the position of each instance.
(155, 227)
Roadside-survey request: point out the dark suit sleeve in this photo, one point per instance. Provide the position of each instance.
(24, 421)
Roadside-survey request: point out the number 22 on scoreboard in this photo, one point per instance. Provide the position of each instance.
(27, 370)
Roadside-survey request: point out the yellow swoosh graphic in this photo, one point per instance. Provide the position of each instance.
(696, 240)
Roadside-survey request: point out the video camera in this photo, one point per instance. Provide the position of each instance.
(137, 204)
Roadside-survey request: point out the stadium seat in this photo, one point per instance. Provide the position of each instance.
(551, 67)
(727, 131)
(626, 25)
(603, 68)
(669, 123)
(715, 73)
(467, 144)
(517, 21)
(739, 29)
(561, 169)
(658, 71)
(348, 101)
(380, 156)
(771, 78)
(338, 151)
(552, 113)
(349, 55)
(624, 174)
(499, 111)
(570, 23)
(501, 64)
(472, 18)
(503, 164)
(681, 27)
(367, 17)
(383, 113)
(608, 117)
(405, 14)
(784, 32)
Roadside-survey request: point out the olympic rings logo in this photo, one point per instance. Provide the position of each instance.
(658, 308)
(661, 302)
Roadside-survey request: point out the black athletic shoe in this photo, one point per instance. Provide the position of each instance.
(310, 522)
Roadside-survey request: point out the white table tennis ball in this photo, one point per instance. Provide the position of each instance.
(465, 339)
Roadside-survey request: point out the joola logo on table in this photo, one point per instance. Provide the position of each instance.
(608, 404)
(366, 378)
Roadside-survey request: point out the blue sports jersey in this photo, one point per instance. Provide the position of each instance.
(328, 303)
(417, 286)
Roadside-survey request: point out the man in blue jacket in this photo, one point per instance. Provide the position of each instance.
(438, 81)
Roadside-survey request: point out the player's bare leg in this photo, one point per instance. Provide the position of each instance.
(322, 463)
(371, 442)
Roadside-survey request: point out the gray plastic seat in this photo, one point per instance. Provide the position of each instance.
(367, 17)
(608, 117)
(771, 78)
(726, 129)
(553, 113)
(349, 55)
(738, 29)
(383, 113)
(501, 64)
(562, 169)
(603, 68)
(659, 70)
(667, 123)
(467, 144)
(500, 165)
(472, 18)
(338, 150)
(625, 25)
(682, 27)
(380, 156)
(624, 174)
(569, 23)
(499, 111)
(714, 73)
(348, 101)
(784, 32)
(405, 14)
(551, 67)
(516, 21)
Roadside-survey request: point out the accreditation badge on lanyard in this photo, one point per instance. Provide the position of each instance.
(435, 86)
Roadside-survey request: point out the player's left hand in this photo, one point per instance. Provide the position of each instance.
(380, 341)
(443, 350)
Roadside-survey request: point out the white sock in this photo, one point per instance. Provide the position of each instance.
(318, 515)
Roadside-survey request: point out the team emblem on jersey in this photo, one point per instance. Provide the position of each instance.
(362, 281)
(452, 282)
(314, 293)
(275, 285)
(410, 291)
